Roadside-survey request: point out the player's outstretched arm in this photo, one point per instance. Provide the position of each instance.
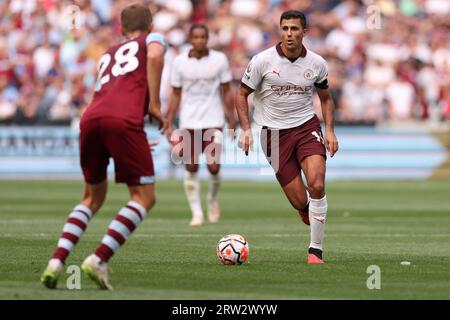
(155, 64)
(331, 142)
(246, 138)
(227, 99)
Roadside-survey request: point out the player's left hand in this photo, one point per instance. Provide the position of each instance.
(331, 143)
(245, 141)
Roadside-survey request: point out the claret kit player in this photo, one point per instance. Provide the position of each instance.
(127, 88)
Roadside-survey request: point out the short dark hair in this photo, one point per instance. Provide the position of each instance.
(136, 17)
(294, 14)
(198, 26)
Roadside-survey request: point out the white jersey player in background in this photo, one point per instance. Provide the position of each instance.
(201, 83)
(282, 80)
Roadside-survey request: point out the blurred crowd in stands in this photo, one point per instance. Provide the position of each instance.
(388, 60)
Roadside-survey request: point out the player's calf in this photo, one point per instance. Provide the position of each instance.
(298, 197)
(128, 219)
(73, 229)
(213, 201)
(304, 210)
(304, 214)
(192, 190)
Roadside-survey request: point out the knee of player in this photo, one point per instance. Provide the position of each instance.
(214, 169)
(192, 167)
(317, 188)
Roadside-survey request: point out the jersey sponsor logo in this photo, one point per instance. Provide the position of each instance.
(147, 180)
(290, 89)
(308, 74)
(207, 78)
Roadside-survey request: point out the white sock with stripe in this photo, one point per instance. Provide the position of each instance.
(317, 217)
(119, 230)
(73, 230)
(192, 190)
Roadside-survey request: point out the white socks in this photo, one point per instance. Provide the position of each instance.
(317, 217)
(192, 190)
(213, 186)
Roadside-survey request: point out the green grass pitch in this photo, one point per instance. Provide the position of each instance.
(369, 223)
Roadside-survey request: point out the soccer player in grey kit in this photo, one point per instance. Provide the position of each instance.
(282, 80)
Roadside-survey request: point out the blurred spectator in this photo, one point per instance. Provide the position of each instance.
(354, 101)
(397, 70)
(44, 59)
(60, 106)
(400, 98)
(9, 95)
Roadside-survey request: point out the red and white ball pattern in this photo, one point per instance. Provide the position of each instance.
(233, 249)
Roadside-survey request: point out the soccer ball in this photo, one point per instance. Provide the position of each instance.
(233, 249)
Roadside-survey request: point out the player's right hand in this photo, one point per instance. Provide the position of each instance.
(245, 141)
(232, 130)
(331, 142)
(169, 132)
(155, 114)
